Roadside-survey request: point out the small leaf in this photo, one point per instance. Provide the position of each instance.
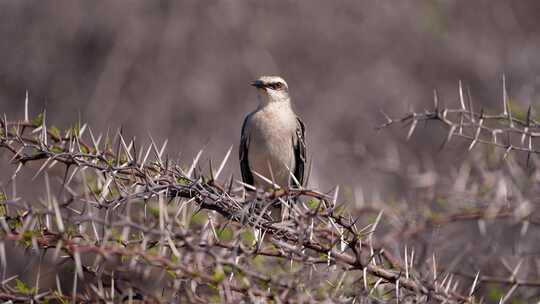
(21, 287)
(219, 274)
(38, 120)
(183, 181)
(225, 234)
(199, 218)
(312, 203)
(84, 149)
(248, 237)
(3, 209)
(55, 132)
(56, 149)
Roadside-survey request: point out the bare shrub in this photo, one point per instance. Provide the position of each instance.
(120, 221)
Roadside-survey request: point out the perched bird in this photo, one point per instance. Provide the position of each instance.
(272, 142)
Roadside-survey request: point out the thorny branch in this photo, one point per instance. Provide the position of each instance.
(504, 130)
(512, 130)
(135, 224)
(87, 219)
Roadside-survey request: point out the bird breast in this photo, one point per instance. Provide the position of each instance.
(271, 141)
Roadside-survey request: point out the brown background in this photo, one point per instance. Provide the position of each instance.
(180, 70)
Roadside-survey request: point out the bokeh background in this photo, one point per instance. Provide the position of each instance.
(180, 70)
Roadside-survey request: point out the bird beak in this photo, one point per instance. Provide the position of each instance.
(258, 84)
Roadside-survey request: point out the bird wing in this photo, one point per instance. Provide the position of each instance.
(299, 145)
(247, 176)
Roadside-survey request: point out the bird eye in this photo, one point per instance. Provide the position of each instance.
(278, 85)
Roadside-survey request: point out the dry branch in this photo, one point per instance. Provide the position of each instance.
(121, 215)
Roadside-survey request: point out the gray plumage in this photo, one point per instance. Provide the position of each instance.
(273, 138)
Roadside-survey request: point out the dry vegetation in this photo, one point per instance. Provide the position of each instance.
(129, 218)
(121, 221)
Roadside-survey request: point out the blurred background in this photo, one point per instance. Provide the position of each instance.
(180, 70)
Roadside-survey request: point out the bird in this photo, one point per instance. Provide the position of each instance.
(272, 143)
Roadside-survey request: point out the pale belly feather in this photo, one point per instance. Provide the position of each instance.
(271, 142)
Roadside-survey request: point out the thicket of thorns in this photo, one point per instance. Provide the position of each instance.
(121, 221)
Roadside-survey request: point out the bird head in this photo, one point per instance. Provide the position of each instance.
(271, 89)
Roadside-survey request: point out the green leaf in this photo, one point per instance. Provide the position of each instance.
(225, 234)
(84, 149)
(38, 120)
(60, 298)
(153, 210)
(248, 237)
(495, 292)
(27, 238)
(76, 129)
(56, 149)
(199, 218)
(219, 274)
(259, 261)
(21, 287)
(3, 198)
(312, 203)
(183, 181)
(55, 131)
